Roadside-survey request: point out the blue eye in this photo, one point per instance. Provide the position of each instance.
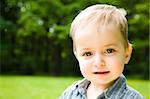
(109, 51)
(87, 54)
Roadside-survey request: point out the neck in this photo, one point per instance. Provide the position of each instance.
(97, 89)
(93, 92)
(101, 87)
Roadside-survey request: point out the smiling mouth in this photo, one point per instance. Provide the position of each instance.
(103, 72)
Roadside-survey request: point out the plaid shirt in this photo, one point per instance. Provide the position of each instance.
(119, 90)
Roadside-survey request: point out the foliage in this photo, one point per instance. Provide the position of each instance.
(34, 35)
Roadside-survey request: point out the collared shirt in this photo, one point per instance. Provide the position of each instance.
(119, 90)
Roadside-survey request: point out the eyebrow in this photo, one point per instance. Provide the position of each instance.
(85, 49)
(112, 44)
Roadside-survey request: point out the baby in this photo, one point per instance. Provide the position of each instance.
(101, 46)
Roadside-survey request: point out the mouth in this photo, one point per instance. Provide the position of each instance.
(102, 72)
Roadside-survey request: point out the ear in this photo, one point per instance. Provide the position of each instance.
(128, 53)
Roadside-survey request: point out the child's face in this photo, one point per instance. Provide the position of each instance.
(101, 55)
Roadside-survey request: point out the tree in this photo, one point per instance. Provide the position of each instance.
(35, 40)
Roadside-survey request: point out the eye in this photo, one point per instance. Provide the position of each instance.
(87, 54)
(109, 51)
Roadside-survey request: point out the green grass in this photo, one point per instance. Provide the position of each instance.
(35, 87)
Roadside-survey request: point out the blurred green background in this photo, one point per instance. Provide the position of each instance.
(34, 38)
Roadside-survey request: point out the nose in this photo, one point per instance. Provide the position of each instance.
(99, 61)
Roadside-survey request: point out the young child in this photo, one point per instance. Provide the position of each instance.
(102, 49)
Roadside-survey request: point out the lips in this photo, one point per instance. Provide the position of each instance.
(102, 72)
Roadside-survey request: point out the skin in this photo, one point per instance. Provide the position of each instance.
(101, 55)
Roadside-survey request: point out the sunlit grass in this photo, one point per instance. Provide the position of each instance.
(31, 87)
(35, 87)
(142, 86)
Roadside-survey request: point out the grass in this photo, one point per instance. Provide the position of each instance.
(36, 87)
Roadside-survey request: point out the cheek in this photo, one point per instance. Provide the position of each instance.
(84, 67)
(118, 59)
(116, 63)
(84, 63)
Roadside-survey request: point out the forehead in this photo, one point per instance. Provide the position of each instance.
(109, 30)
(104, 35)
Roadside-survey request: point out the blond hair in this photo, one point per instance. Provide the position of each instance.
(101, 14)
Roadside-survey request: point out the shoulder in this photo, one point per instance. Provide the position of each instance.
(132, 93)
(122, 90)
(71, 91)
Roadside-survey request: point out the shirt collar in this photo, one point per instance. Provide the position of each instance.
(119, 85)
(82, 86)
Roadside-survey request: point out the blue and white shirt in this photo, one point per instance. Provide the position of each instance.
(119, 90)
